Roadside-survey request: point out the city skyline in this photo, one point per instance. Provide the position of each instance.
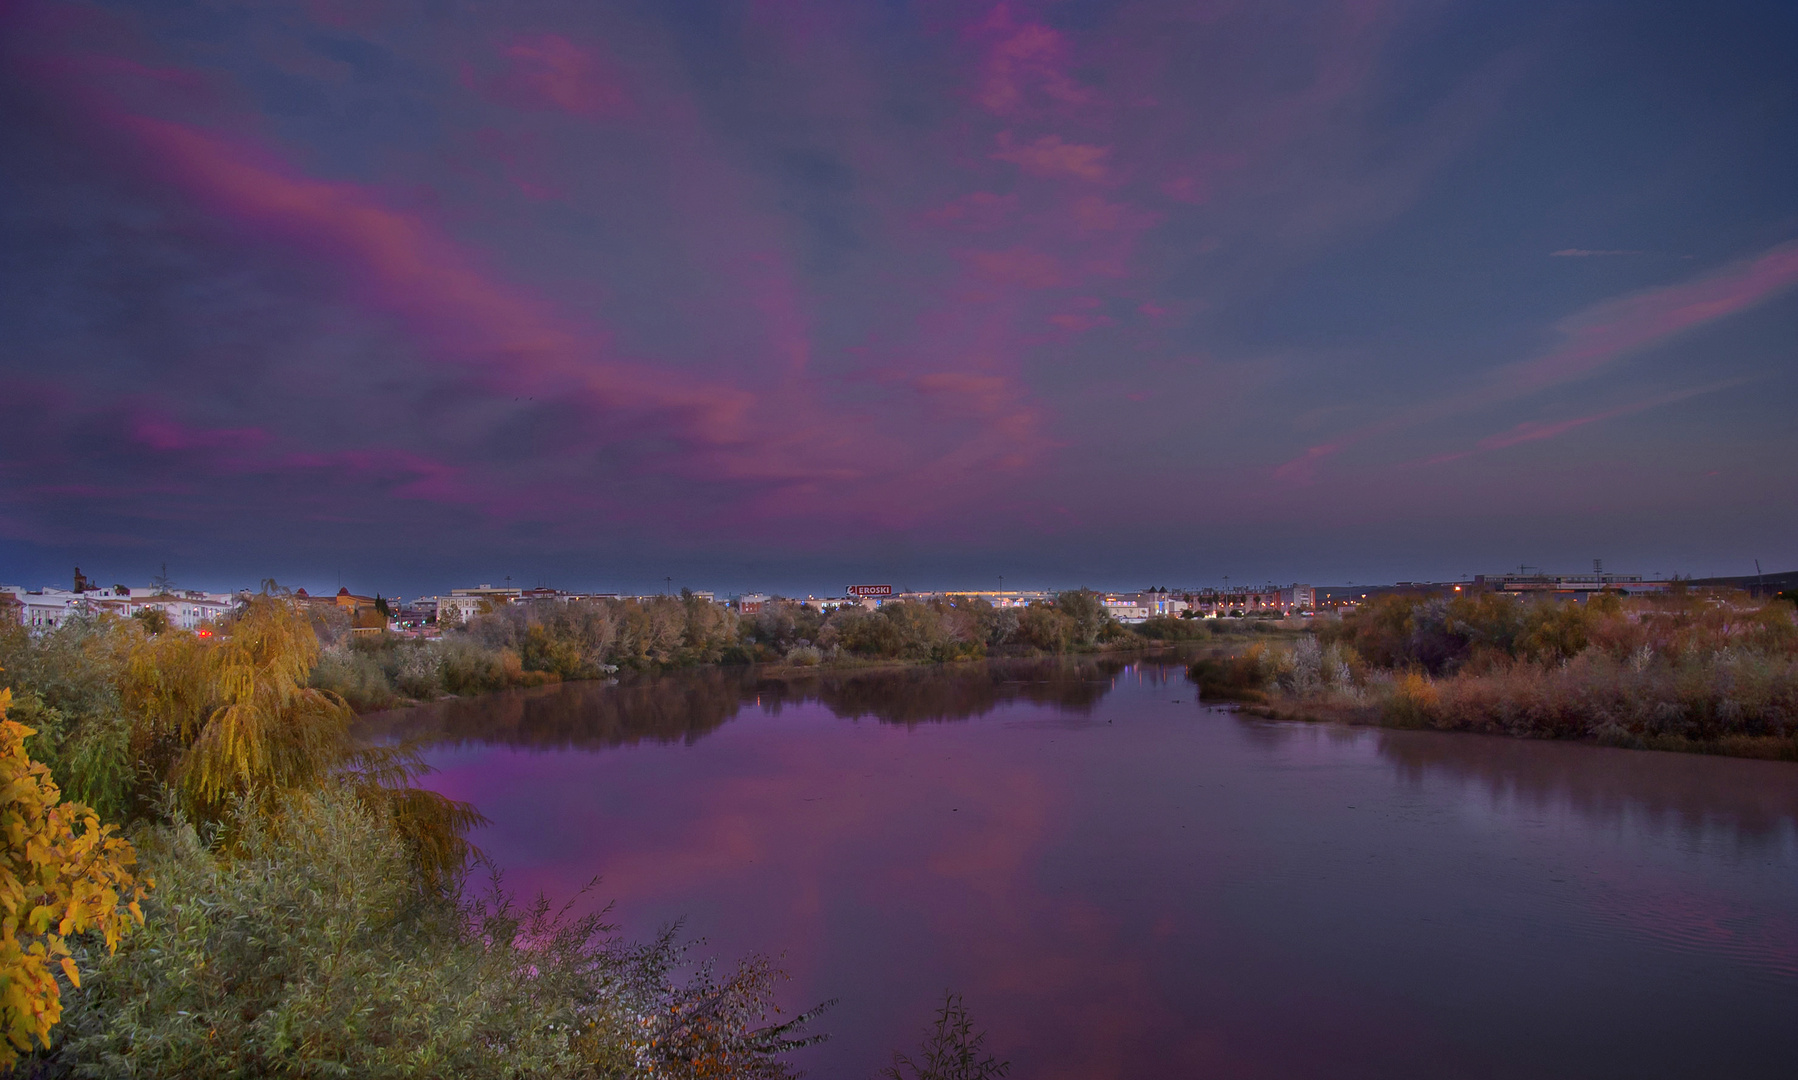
(755, 296)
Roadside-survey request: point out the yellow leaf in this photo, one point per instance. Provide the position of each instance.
(69, 969)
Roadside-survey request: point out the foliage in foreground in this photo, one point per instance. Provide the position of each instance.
(951, 1050)
(308, 918)
(62, 874)
(124, 713)
(306, 951)
(1716, 674)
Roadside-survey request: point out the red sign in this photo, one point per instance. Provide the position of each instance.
(870, 590)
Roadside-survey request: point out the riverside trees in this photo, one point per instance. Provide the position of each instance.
(1685, 672)
(310, 914)
(546, 641)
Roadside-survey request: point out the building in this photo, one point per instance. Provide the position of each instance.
(46, 608)
(365, 612)
(185, 610)
(1125, 607)
(1268, 600)
(50, 607)
(752, 603)
(1538, 583)
(462, 605)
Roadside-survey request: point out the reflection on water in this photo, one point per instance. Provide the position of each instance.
(1754, 801)
(683, 707)
(1159, 888)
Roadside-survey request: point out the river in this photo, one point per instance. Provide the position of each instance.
(1124, 882)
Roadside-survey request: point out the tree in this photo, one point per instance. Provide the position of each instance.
(62, 873)
(1087, 609)
(231, 717)
(951, 1050)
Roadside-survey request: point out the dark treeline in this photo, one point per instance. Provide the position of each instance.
(682, 708)
(1715, 672)
(532, 644)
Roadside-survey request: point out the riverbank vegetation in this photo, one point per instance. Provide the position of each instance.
(311, 911)
(1715, 673)
(531, 644)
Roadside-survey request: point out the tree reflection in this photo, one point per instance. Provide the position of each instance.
(1756, 801)
(685, 706)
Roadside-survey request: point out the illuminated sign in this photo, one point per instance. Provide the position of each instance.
(870, 590)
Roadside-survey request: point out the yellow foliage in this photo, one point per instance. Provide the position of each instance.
(235, 710)
(61, 873)
(231, 717)
(1414, 699)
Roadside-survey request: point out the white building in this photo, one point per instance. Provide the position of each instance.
(45, 609)
(462, 605)
(50, 607)
(1127, 608)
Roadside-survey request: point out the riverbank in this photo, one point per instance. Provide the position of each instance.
(1756, 747)
(1693, 675)
(540, 644)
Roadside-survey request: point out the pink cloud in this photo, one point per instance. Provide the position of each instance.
(251, 452)
(167, 435)
(1024, 58)
(984, 390)
(1079, 322)
(521, 158)
(548, 71)
(978, 211)
(1536, 430)
(1609, 331)
(406, 475)
(1051, 157)
(404, 266)
(1303, 469)
(1021, 266)
(1187, 189)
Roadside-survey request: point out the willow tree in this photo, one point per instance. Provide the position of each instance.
(225, 715)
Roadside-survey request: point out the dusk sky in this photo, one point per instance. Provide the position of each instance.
(795, 294)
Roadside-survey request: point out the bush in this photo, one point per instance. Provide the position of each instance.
(62, 873)
(1168, 629)
(302, 949)
(1716, 673)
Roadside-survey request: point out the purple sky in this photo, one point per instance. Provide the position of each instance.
(790, 294)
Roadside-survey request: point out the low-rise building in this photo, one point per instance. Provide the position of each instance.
(1126, 608)
(462, 605)
(1578, 584)
(50, 607)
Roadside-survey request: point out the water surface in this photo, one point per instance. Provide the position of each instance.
(1124, 882)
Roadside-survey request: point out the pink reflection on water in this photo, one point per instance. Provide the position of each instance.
(1142, 887)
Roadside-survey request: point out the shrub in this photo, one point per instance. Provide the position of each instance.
(62, 874)
(301, 950)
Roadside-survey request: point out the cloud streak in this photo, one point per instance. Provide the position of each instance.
(1592, 340)
(1537, 430)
